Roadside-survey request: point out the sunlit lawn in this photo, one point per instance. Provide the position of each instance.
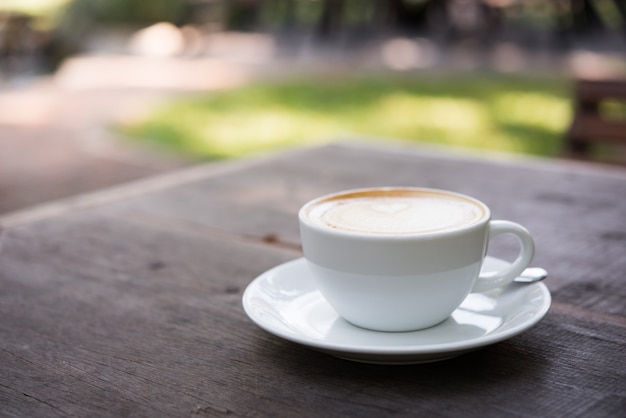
(507, 113)
(33, 7)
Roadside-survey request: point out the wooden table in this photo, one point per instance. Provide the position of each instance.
(128, 302)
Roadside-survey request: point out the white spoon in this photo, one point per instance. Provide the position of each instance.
(531, 275)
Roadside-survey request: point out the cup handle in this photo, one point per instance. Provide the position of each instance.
(492, 280)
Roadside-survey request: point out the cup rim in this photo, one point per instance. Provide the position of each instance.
(347, 233)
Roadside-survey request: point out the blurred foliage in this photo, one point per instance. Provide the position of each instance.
(333, 16)
(33, 7)
(129, 11)
(613, 110)
(105, 11)
(69, 26)
(508, 113)
(45, 14)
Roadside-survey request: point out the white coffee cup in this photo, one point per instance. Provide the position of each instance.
(400, 258)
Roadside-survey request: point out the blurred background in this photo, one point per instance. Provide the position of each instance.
(95, 93)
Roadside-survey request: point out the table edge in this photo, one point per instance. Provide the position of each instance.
(84, 201)
(206, 170)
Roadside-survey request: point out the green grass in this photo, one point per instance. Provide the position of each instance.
(507, 113)
(33, 7)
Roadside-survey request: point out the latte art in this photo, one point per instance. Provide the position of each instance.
(405, 212)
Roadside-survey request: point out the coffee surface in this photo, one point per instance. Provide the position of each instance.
(396, 212)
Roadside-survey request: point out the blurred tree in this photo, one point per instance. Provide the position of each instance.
(557, 23)
(331, 17)
(243, 14)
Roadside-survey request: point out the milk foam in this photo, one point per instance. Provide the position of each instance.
(420, 213)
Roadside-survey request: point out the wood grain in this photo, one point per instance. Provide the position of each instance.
(131, 307)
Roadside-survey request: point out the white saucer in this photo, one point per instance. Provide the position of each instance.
(285, 302)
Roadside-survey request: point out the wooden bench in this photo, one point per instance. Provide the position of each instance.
(588, 124)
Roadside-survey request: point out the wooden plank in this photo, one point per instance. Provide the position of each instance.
(133, 307)
(598, 90)
(553, 201)
(157, 330)
(119, 193)
(591, 127)
(122, 318)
